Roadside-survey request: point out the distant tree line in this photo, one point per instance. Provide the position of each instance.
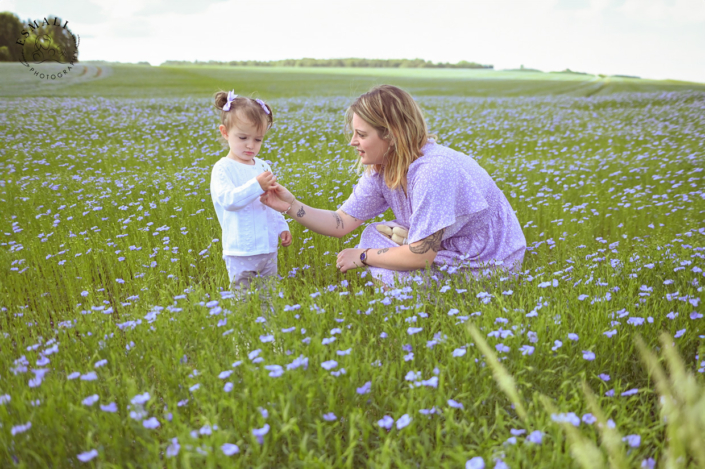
(350, 62)
(35, 41)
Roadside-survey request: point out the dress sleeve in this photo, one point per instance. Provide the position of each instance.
(367, 199)
(442, 198)
(232, 197)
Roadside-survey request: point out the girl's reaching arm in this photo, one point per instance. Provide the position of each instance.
(232, 197)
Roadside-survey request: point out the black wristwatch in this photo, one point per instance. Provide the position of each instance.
(363, 256)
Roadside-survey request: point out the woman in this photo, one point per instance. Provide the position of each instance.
(452, 208)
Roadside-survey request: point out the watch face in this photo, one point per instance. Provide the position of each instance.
(363, 256)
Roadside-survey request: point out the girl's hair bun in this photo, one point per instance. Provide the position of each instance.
(221, 97)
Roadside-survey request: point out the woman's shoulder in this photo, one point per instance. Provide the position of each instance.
(433, 156)
(371, 176)
(436, 151)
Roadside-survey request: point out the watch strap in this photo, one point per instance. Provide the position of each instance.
(363, 256)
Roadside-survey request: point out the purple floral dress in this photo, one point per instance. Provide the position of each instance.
(446, 189)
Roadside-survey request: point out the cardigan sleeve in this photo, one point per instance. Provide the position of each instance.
(277, 220)
(232, 197)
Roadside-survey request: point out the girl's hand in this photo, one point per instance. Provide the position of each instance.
(266, 180)
(286, 238)
(349, 259)
(277, 197)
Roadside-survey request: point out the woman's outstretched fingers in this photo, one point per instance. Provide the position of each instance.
(283, 193)
(272, 199)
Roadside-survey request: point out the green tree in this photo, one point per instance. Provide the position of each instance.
(37, 41)
(10, 32)
(51, 35)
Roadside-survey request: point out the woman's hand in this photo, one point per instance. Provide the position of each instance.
(349, 259)
(286, 238)
(277, 197)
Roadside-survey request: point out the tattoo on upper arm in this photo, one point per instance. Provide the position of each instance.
(382, 251)
(338, 221)
(350, 216)
(433, 242)
(301, 212)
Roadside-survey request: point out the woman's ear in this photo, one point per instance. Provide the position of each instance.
(390, 137)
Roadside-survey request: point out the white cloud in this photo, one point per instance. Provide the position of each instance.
(677, 11)
(651, 38)
(118, 11)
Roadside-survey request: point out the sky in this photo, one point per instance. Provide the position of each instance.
(660, 39)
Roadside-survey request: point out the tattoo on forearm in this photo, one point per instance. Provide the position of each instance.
(382, 251)
(433, 242)
(301, 212)
(338, 221)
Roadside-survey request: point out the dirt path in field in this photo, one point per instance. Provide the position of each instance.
(602, 85)
(18, 79)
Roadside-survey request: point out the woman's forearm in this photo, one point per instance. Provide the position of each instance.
(400, 258)
(325, 222)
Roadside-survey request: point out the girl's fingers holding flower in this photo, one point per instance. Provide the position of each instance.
(265, 180)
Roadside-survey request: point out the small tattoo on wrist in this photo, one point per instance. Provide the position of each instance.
(301, 212)
(382, 251)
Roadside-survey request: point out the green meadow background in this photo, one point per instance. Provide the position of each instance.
(141, 81)
(121, 346)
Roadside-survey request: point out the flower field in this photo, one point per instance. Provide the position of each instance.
(121, 345)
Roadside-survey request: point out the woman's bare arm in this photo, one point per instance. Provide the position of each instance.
(325, 222)
(407, 257)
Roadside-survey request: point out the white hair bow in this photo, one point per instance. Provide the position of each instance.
(264, 107)
(231, 98)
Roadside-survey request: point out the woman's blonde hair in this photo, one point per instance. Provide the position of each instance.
(396, 116)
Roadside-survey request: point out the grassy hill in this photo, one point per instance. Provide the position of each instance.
(137, 81)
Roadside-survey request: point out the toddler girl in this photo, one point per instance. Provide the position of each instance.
(250, 229)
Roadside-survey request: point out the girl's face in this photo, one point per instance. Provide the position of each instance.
(244, 139)
(369, 145)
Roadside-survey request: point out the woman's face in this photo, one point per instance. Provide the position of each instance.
(369, 145)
